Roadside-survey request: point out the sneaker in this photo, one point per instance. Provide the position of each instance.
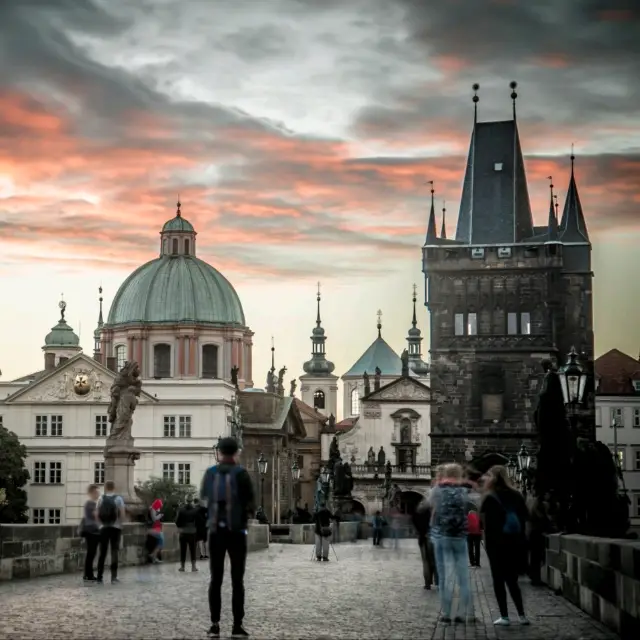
(318, 559)
(194, 568)
(325, 559)
(502, 622)
(201, 557)
(238, 631)
(99, 581)
(427, 587)
(181, 569)
(89, 579)
(115, 581)
(445, 620)
(524, 620)
(215, 629)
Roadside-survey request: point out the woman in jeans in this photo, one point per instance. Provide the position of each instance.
(449, 500)
(90, 531)
(504, 514)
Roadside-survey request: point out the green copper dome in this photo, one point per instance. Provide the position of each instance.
(176, 288)
(62, 335)
(178, 224)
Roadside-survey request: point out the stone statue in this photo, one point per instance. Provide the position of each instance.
(271, 381)
(371, 457)
(292, 391)
(320, 496)
(382, 457)
(405, 363)
(367, 384)
(332, 422)
(348, 479)
(125, 391)
(339, 478)
(281, 375)
(376, 380)
(234, 375)
(334, 453)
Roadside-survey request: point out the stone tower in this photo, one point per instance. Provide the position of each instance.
(503, 295)
(318, 385)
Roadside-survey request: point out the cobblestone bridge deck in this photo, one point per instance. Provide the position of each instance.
(368, 593)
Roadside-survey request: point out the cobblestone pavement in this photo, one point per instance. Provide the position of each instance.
(368, 593)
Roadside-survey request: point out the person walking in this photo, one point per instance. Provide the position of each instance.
(110, 515)
(449, 501)
(322, 521)
(505, 515)
(433, 530)
(422, 525)
(186, 525)
(377, 523)
(90, 531)
(155, 530)
(474, 535)
(201, 528)
(228, 492)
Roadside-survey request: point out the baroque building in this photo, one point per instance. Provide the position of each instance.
(503, 295)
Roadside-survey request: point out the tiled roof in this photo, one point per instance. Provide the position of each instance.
(616, 372)
(32, 377)
(345, 425)
(379, 354)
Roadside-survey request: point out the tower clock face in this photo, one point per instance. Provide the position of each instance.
(81, 384)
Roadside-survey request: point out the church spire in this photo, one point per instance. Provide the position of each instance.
(414, 341)
(573, 227)
(552, 222)
(97, 355)
(318, 365)
(432, 235)
(443, 230)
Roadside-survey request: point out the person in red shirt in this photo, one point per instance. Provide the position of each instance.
(474, 535)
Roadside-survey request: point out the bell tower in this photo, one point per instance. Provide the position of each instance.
(318, 385)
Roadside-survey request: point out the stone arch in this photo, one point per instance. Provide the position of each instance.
(483, 463)
(409, 500)
(358, 507)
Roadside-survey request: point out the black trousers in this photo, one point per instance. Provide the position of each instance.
(92, 541)
(109, 538)
(537, 551)
(473, 544)
(234, 543)
(505, 563)
(187, 540)
(377, 536)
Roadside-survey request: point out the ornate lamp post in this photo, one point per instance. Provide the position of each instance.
(573, 381)
(295, 476)
(262, 468)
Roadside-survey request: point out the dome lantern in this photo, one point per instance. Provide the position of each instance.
(178, 237)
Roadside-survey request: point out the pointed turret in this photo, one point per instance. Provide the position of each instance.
(443, 229)
(318, 365)
(552, 221)
(432, 234)
(97, 354)
(414, 340)
(573, 227)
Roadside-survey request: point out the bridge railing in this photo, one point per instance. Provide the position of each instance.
(397, 471)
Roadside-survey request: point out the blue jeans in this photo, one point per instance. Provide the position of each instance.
(456, 569)
(439, 556)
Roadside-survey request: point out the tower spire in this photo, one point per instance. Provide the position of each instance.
(552, 222)
(573, 227)
(414, 320)
(178, 205)
(475, 99)
(97, 353)
(443, 230)
(318, 322)
(273, 356)
(379, 325)
(432, 235)
(513, 84)
(414, 340)
(318, 365)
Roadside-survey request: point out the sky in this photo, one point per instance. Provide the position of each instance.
(300, 136)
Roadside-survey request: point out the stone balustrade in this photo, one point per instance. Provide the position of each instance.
(29, 551)
(599, 575)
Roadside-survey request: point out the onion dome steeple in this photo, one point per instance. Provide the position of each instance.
(61, 342)
(318, 365)
(414, 340)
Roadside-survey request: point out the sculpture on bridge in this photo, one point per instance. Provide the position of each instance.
(271, 381)
(234, 375)
(281, 375)
(125, 391)
(382, 457)
(376, 380)
(371, 457)
(292, 390)
(405, 363)
(334, 454)
(367, 383)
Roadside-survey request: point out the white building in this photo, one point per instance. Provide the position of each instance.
(183, 322)
(618, 403)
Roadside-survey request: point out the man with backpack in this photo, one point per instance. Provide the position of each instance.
(228, 492)
(110, 515)
(186, 525)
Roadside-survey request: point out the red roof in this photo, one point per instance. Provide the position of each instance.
(346, 424)
(616, 372)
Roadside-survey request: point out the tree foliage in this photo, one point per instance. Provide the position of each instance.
(172, 494)
(13, 477)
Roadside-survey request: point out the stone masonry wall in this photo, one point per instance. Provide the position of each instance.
(599, 575)
(29, 551)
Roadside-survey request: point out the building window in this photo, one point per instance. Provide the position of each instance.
(525, 323)
(405, 431)
(39, 472)
(55, 473)
(102, 424)
(472, 324)
(184, 473)
(512, 324)
(636, 463)
(636, 418)
(355, 402)
(56, 426)
(636, 499)
(42, 423)
(187, 248)
(621, 457)
(492, 404)
(184, 424)
(459, 324)
(169, 426)
(598, 417)
(121, 356)
(55, 516)
(168, 471)
(174, 246)
(98, 472)
(37, 516)
(209, 361)
(616, 417)
(161, 361)
(318, 399)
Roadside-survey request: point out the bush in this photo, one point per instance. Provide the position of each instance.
(173, 495)
(13, 476)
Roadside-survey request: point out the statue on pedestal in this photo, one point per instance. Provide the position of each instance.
(371, 457)
(382, 457)
(271, 381)
(376, 380)
(334, 453)
(292, 391)
(405, 363)
(234, 375)
(125, 391)
(281, 375)
(367, 384)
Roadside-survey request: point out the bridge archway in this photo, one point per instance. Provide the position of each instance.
(409, 500)
(358, 508)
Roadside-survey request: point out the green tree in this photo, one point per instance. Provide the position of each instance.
(172, 494)
(13, 476)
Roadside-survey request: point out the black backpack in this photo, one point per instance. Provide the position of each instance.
(108, 512)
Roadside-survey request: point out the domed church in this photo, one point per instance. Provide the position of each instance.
(177, 316)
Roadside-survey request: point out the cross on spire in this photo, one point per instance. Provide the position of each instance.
(318, 321)
(414, 320)
(379, 314)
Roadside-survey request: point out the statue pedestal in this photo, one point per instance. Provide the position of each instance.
(343, 504)
(119, 460)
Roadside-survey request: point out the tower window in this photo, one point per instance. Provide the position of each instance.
(210, 361)
(318, 399)
(187, 248)
(472, 324)
(161, 361)
(174, 247)
(355, 402)
(525, 323)
(459, 324)
(121, 356)
(512, 324)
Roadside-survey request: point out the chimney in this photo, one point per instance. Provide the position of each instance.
(111, 364)
(49, 361)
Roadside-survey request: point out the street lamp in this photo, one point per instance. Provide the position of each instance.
(262, 468)
(524, 458)
(573, 380)
(325, 475)
(512, 468)
(295, 471)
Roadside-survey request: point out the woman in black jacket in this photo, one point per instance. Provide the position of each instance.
(504, 514)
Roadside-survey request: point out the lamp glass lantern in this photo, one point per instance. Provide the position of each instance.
(512, 468)
(524, 458)
(325, 475)
(573, 379)
(263, 463)
(295, 471)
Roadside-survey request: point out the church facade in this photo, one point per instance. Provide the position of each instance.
(503, 295)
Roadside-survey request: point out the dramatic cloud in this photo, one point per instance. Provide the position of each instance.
(299, 135)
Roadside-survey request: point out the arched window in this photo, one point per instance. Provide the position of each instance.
(161, 361)
(318, 399)
(209, 361)
(405, 431)
(355, 402)
(121, 356)
(174, 248)
(187, 248)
